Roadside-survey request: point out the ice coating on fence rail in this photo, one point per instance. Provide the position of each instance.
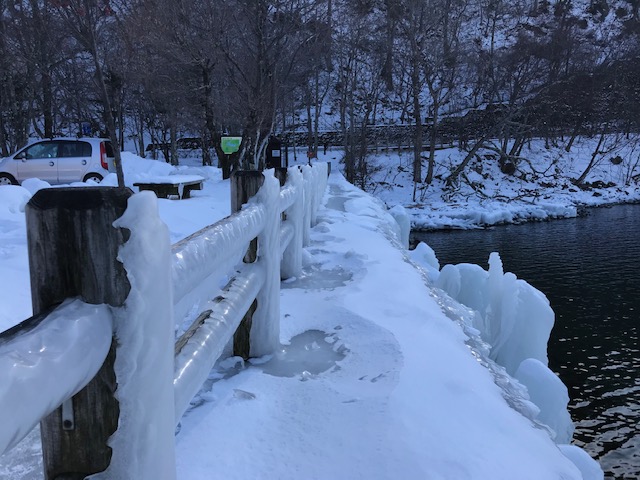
(196, 359)
(57, 359)
(217, 248)
(143, 445)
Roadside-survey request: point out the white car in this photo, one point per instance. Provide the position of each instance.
(59, 160)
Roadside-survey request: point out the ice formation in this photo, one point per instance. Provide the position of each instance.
(514, 317)
(143, 445)
(59, 356)
(550, 395)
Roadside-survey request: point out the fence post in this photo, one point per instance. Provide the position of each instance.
(292, 257)
(73, 250)
(309, 191)
(281, 174)
(244, 185)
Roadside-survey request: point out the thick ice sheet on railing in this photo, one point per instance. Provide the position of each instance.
(286, 235)
(217, 248)
(195, 360)
(288, 195)
(58, 358)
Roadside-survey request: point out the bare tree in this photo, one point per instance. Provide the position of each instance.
(261, 51)
(87, 21)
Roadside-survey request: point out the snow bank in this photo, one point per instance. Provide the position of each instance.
(138, 169)
(424, 256)
(13, 199)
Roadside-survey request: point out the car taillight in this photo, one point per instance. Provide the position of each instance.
(103, 156)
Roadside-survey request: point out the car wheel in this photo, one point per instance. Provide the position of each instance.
(92, 177)
(6, 179)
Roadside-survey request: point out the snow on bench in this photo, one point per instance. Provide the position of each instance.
(180, 185)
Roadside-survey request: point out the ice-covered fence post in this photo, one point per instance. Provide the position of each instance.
(244, 185)
(72, 248)
(320, 176)
(292, 257)
(307, 175)
(281, 174)
(265, 328)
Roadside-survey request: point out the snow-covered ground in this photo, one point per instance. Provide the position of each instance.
(381, 374)
(541, 188)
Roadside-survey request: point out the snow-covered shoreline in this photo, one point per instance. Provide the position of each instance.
(407, 367)
(542, 188)
(517, 218)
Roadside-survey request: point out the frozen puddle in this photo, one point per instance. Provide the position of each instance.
(320, 279)
(310, 353)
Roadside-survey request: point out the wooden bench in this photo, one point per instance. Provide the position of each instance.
(172, 185)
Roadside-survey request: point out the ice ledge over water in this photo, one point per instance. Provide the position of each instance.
(509, 323)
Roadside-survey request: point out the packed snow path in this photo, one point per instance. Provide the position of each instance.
(377, 378)
(376, 382)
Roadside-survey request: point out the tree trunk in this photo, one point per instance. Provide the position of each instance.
(209, 128)
(460, 168)
(108, 115)
(47, 105)
(593, 161)
(432, 145)
(417, 118)
(574, 134)
(173, 135)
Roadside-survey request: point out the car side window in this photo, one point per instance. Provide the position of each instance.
(108, 149)
(42, 150)
(75, 149)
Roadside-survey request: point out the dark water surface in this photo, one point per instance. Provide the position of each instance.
(588, 267)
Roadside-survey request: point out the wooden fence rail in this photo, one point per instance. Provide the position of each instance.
(74, 238)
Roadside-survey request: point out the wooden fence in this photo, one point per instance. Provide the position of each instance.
(63, 359)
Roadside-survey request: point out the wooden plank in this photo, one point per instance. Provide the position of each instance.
(184, 338)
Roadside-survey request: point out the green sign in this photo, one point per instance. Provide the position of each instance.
(230, 144)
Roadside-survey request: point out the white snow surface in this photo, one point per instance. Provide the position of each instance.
(541, 189)
(379, 375)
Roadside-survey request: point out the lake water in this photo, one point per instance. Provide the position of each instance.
(588, 268)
